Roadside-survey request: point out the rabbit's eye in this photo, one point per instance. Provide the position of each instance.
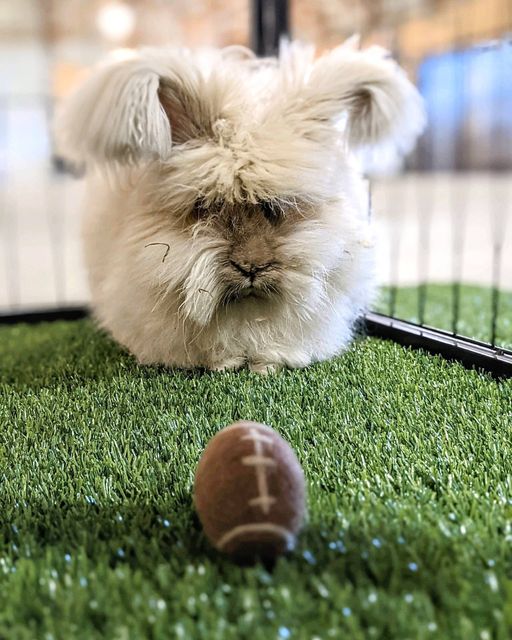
(271, 211)
(200, 209)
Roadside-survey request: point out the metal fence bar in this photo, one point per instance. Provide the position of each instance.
(7, 220)
(55, 223)
(269, 23)
(425, 207)
(500, 210)
(495, 296)
(458, 196)
(499, 213)
(394, 254)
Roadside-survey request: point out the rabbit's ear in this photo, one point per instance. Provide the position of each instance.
(378, 102)
(115, 115)
(182, 94)
(130, 110)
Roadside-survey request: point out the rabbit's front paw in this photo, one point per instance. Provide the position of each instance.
(229, 364)
(265, 368)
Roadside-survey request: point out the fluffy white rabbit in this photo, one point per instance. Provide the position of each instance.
(225, 223)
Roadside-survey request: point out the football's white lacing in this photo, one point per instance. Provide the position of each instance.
(260, 462)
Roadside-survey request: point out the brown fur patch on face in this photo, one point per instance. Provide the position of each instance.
(254, 232)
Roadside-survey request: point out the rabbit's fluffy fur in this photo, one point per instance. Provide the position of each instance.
(226, 224)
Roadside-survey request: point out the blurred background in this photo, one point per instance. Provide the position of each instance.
(443, 215)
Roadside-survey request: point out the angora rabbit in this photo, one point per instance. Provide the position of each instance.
(226, 224)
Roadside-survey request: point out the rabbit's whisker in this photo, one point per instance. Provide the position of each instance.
(165, 244)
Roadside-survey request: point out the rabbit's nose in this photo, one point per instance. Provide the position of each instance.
(249, 270)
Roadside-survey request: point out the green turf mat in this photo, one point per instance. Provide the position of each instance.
(475, 310)
(408, 464)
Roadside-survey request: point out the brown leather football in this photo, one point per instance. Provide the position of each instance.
(250, 492)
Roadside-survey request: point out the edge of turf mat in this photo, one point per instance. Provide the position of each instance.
(35, 316)
(471, 353)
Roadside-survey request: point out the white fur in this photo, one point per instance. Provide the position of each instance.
(248, 131)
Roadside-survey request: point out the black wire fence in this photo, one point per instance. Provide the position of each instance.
(450, 267)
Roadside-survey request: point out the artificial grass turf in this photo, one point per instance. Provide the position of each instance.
(407, 460)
